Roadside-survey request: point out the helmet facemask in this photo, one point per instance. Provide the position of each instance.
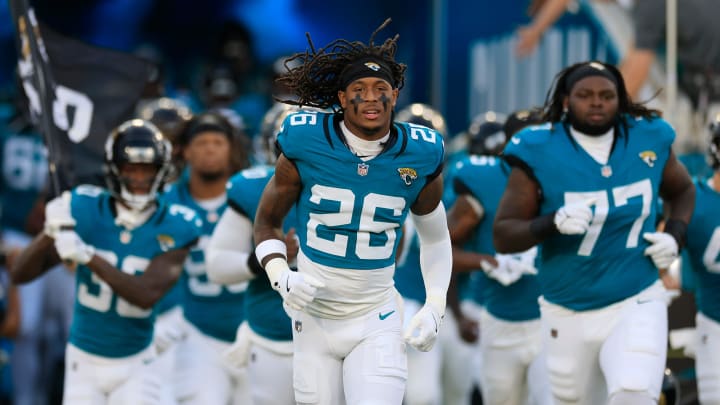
(134, 142)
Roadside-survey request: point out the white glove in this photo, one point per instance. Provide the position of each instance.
(423, 328)
(663, 248)
(57, 215)
(297, 289)
(70, 247)
(510, 267)
(237, 355)
(169, 330)
(574, 218)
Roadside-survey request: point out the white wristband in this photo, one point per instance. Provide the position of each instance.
(274, 269)
(270, 247)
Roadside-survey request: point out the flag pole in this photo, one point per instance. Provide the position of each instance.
(33, 68)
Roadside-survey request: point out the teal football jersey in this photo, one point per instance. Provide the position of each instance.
(263, 305)
(103, 323)
(199, 296)
(24, 175)
(703, 247)
(606, 264)
(350, 211)
(485, 178)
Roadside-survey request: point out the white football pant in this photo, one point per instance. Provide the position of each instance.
(357, 361)
(514, 371)
(596, 354)
(707, 360)
(202, 375)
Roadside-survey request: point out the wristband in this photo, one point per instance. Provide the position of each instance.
(677, 229)
(270, 247)
(544, 226)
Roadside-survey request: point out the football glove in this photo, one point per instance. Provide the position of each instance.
(574, 218)
(57, 215)
(424, 327)
(297, 289)
(70, 247)
(663, 249)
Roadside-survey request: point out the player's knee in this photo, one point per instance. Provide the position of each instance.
(631, 398)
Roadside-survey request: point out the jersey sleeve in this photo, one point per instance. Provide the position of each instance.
(245, 188)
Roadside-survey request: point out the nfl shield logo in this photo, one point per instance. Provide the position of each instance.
(363, 169)
(606, 171)
(298, 326)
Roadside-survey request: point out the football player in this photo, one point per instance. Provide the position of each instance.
(584, 187)
(128, 247)
(354, 176)
(213, 312)
(703, 244)
(510, 339)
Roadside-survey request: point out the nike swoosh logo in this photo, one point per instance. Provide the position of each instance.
(287, 285)
(643, 301)
(383, 316)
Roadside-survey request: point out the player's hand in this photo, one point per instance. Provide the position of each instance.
(663, 249)
(238, 354)
(57, 215)
(70, 247)
(511, 267)
(297, 289)
(423, 329)
(574, 218)
(169, 330)
(469, 329)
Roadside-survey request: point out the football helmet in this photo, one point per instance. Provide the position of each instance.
(521, 119)
(136, 141)
(423, 114)
(485, 135)
(270, 128)
(168, 115)
(714, 149)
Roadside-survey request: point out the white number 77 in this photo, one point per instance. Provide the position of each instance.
(621, 195)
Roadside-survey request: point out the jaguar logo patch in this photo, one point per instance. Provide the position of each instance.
(649, 157)
(166, 242)
(407, 175)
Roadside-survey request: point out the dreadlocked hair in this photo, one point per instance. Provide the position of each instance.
(313, 75)
(553, 110)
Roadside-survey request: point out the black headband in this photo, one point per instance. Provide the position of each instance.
(207, 122)
(365, 67)
(586, 70)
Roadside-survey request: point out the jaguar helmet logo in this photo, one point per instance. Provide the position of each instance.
(373, 66)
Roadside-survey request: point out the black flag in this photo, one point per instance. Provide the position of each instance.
(77, 94)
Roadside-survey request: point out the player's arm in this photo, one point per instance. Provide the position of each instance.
(11, 323)
(278, 197)
(229, 257)
(33, 261)
(144, 290)
(281, 192)
(678, 193)
(429, 217)
(463, 218)
(517, 227)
